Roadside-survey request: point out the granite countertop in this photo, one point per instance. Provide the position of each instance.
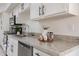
(60, 46)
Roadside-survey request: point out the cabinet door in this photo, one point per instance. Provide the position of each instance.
(12, 49)
(53, 8)
(9, 48)
(24, 6)
(15, 47)
(34, 10)
(15, 12)
(1, 38)
(47, 9)
(5, 21)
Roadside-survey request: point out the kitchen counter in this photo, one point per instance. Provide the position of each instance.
(60, 46)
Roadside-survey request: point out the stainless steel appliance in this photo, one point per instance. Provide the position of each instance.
(25, 49)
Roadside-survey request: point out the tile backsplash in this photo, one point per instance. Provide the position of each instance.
(34, 26)
(63, 25)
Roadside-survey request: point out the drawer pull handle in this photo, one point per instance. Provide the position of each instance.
(39, 11)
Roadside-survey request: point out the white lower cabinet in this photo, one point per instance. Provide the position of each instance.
(37, 52)
(12, 48)
(1, 38)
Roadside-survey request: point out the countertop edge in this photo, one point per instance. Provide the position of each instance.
(69, 50)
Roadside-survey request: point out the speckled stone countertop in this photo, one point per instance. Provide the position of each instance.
(60, 46)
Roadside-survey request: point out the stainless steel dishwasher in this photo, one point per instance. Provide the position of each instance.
(24, 49)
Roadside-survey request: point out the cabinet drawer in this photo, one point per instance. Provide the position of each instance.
(37, 52)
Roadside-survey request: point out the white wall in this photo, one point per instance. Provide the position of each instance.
(34, 26)
(63, 25)
(23, 17)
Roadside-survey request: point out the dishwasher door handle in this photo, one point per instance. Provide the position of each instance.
(37, 54)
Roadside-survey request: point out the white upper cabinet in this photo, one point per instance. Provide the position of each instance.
(53, 8)
(35, 10)
(5, 21)
(74, 8)
(23, 7)
(20, 9)
(41, 10)
(16, 11)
